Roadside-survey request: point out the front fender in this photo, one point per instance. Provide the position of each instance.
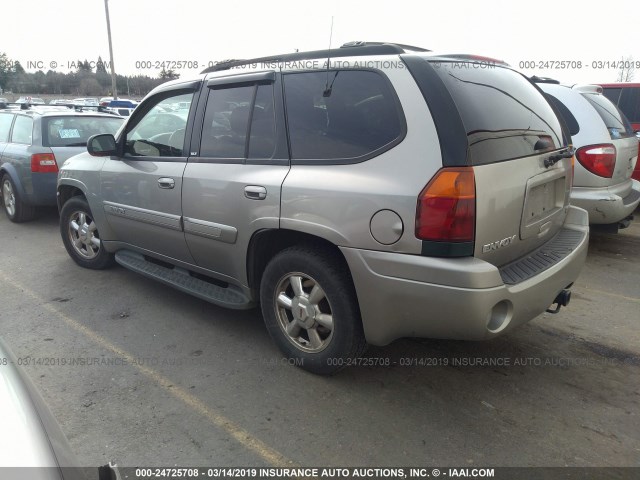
(82, 173)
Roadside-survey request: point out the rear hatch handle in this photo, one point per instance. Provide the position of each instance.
(555, 158)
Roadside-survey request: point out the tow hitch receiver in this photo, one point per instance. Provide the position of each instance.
(562, 300)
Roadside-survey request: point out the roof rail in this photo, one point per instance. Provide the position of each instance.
(351, 49)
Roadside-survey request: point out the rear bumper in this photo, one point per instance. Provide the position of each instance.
(413, 296)
(608, 204)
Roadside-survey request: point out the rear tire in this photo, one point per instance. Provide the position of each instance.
(310, 309)
(16, 209)
(80, 235)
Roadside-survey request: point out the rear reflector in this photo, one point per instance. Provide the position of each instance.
(446, 209)
(44, 163)
(598, 159)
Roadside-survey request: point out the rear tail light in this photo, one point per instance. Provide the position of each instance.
(44, 163)
(447, 207)
(598, 159)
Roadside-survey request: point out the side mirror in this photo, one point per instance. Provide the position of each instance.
(102, 145)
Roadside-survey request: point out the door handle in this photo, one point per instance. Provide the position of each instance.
(166, 182)
(255, 192)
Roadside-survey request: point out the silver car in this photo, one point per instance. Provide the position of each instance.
(606, 153)
(34, 143)
(397, 193)
(33, 446)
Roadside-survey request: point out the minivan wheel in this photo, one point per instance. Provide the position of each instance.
(17, 211)
(311, 310)
(80, 235)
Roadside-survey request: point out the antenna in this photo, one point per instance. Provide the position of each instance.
(327, 88)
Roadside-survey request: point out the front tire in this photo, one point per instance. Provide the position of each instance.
(17, 211)
(81, 237)
(310, 308)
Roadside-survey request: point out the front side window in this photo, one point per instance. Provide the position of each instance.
(340, 114)
(160, 132)
(74, 131)
(5, 126)
(22, 130)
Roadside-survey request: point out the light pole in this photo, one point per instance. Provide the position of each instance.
(113, 68)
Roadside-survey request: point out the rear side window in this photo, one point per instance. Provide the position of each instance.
(504, 115)
(22, 130)
(70, 131)
(617, 124)
(239, 123)
(5, 126)
(346, 115)
(567, 116)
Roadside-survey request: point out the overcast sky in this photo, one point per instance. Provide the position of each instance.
(55, 32)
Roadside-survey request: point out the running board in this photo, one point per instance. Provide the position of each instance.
(229, 297)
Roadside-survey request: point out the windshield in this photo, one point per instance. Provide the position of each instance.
(74, 131)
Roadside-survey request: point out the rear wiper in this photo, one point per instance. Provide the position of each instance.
(553, 159)
(79, 144)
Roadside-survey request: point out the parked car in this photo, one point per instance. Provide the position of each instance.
(400, 194)
(33, 145)
(60, 101)
(606, 153)
(30, 100)
(627, 97)
(89, 102)
(37, 448)
(3, 100)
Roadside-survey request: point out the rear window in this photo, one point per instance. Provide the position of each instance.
(504, 115)
(347, 115)
(70, 131)
(615, 121)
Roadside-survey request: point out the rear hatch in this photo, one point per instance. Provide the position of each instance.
(511, 130)
(622, 137)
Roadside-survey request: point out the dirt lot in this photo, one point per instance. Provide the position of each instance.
(145, 375)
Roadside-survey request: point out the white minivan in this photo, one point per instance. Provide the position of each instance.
(606, 152)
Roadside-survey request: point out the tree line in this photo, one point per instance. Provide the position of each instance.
(84, 81)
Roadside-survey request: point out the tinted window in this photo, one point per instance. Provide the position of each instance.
(358, 117)
(160, 132)
(226, 121)
(22, 130)
(630, 103)
(504, 115)
(70, 131)
(613, 94)
(567, 116)
(613, 118)
(5, 126)
(262, 141)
